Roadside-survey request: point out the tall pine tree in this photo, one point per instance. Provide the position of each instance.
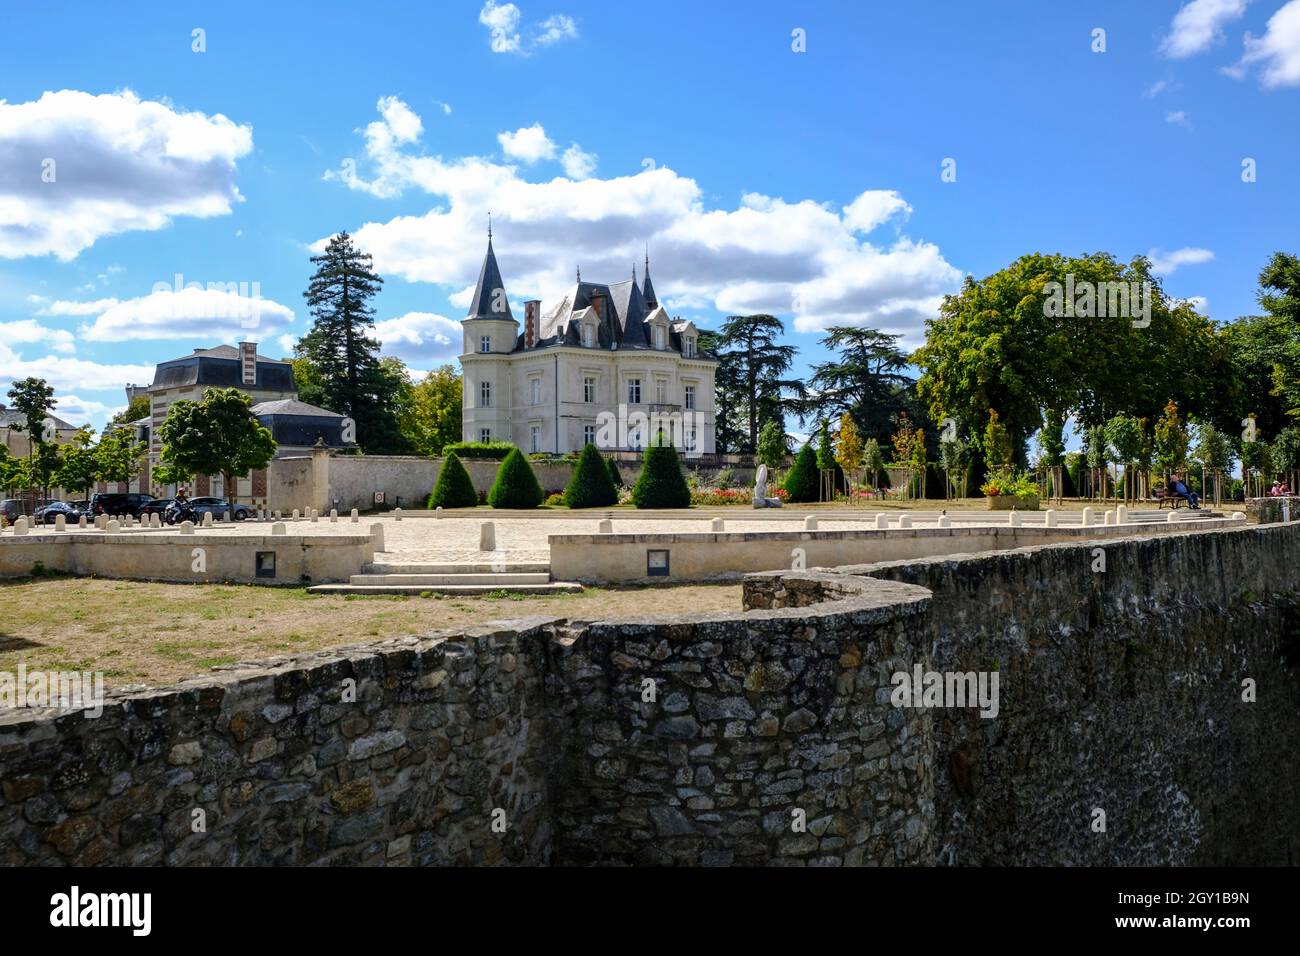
(349, 376)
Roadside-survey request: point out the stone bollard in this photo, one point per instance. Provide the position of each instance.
(81, 522)
(355, 517)
(1121, 514)
(60, 522)
(487, 536)
(1049, 518)
(187, 527)
(437, 512)
(905, 521)
(1171, 516)
(277, 515)
(314, 516)
(112, 527)
(1087, 517)
(377, 536)
(295, 514)
(810, 523)
(1236, 515)
(945, 521)
(1110, 516)
(1013, 519)
(155, 521)
(99, 522)
(207, 519)
(279, 528)
(882, 520)
(605, 527)
(397, 514)
(717, 524)
(20, 526)
(334, 515)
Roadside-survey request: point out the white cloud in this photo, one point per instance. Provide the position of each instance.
(68, 307)
(527, 144)
(1198, 25)
(577, 163)
(191, 313)
(1200, 303)
(1178, 118)
(1276, 53)
(31, 332)
(79, 411)
(400, 121)
(69, 374)
(119, 164)
(1167, 263)
(1155, 89)
(504, 34)
(420, 336)
(809, 259)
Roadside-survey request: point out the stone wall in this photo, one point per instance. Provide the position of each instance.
(763, 737)
(1272, 510)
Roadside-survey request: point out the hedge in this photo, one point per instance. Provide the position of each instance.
(453, 489)
(590, 486)
(614, 474)
(515, 485)
(803, 482)
(661, 483)
(495, 450)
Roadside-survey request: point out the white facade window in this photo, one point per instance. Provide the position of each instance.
(588, 435)
(485, 394)
(661, 391)
(485, 434)
(485, 344)
(690, 396)
(588, 390)
(535, 437)
(535, 392)
(634, 391)
(688, 347)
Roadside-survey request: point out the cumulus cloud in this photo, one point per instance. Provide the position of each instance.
(802, 257)
(75, 167)
(1198, 25)
(69, 374)
(505, 35)
(1167, 263)
(528, 144)
(1178, 118)
(31, 332)
(1277, 53)
(1200, 303)
(79, 411)
(67, 307)
(190, 313)
(577, 163)
(420, 337)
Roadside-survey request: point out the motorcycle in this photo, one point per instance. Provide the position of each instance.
(179, 511)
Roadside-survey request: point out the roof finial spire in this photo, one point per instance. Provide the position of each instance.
(489, 225)
(578, 269)
(634, 273)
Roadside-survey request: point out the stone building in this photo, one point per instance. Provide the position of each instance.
(605, 364)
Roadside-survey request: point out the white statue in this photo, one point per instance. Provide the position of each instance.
(761, 500)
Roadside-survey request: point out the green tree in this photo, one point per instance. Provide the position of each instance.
(772, 447)
(218, 435)
(33, 398)
(615, 476)
(1124, 433)
(136, 409)
(344, 358)
(803, 482)
(758, 364)
(1171, 440)
(729, 404)
(591, 485)
(848, 443)
(433, 418)
(661, 483)
(873, 461)
(515, 485)
(454, 488)
(79, 469)
(868, 380)
(998, 452)
(118, 455)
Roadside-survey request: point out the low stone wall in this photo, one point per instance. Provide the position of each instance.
(1272, 510)
(710, 556)
(763, 737)
(167, 555)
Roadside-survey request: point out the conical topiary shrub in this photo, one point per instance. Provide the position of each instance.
(803, 483)
(614, 474)
(661, 483)
(590, 486)
(453, 489)
(515, 485)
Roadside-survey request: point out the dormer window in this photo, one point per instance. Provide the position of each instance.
(688, 347)
(588, 335)
(660, 337)
(485, 344)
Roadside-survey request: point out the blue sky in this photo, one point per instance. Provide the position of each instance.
(806, 184)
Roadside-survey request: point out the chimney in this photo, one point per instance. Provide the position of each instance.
(598, 306)
(248, 363)
(532, 308)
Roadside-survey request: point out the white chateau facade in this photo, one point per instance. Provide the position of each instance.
(606, 364)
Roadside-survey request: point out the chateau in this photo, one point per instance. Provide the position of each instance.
(606, 364)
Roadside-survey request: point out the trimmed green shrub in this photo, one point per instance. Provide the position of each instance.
(590, 486)
(614, 474)
(661, 483)
(453, 489)
(495, 450)
(515, 485)
(803, 483)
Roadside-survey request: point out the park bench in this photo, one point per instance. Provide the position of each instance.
(1163, 496)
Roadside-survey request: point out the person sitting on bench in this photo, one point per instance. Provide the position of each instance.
(1177, 487)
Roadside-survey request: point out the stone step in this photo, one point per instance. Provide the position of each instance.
(476, 567)
(500, 580)
(466, 590)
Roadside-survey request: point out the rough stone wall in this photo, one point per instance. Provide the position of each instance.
(1120, 690)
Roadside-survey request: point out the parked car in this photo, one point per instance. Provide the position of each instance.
(71, 511)
(13, 508)
(118, 504)
(156, 507)
(218, 507)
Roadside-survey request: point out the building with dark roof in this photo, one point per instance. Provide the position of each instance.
(604, 364)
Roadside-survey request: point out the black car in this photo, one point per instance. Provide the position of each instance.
(119, 504)
(14, 508)
(156, 507)
(218, 507)
(71, 511)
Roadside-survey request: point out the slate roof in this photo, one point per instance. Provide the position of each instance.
(220, 366)
(9, 418)
(291, 406)
(489, 280)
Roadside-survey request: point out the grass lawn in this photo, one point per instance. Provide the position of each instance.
(139, 633)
